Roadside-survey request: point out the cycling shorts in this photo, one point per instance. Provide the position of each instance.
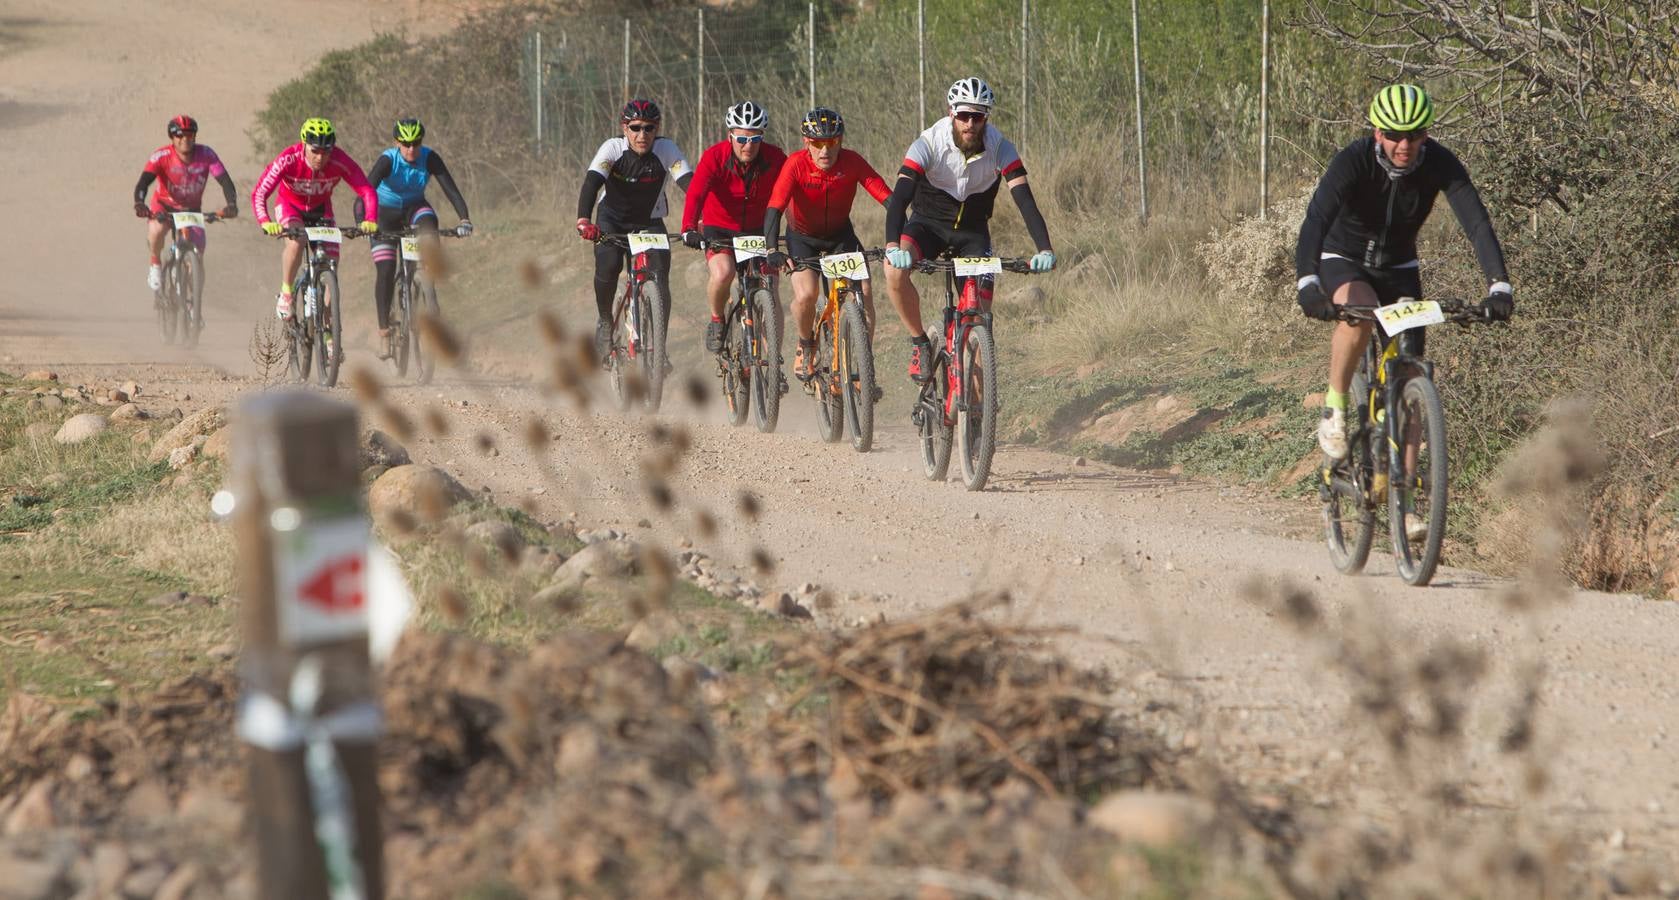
(929, 240)
(1389, 284)
(714, 234)
(803, 246)
(397, 218)
(290, 216)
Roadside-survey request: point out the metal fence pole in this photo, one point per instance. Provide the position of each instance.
(1264, 109)
(307, 708)
(921, 62)
(810, 52)
(1142, 146)
(539, 77)
(699, 94)
(1025, 91)
(626, 61)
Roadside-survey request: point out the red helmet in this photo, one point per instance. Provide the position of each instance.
(182, 125)
(645, 110)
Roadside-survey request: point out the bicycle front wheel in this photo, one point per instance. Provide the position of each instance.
(766, 359)
(329, 328)
(857, 357)
(976, 420)
(1342, 488)
(830, 397)
(1417, 490)
(656, 317)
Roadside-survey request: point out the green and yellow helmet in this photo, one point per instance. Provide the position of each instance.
(1401, 107)
(318, 132)
(408, 131)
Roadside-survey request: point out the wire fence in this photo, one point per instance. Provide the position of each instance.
(887, 72)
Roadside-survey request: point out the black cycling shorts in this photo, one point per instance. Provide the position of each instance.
(1390, 285)
(929, 240)
(803, 246)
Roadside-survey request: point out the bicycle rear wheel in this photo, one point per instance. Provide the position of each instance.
(653, 305)
(976, 421)
(830, 396)
(191, 267)
(734, 364)
(857, 356)
(766, 359)
(329, 329)
(1417, 493)
(167, 300)
(1342, 490)
(425, 301)
(936, 436)
(300, 330)
(403, 337)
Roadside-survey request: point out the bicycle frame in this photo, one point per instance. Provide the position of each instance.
(637, 272)
(960, 317)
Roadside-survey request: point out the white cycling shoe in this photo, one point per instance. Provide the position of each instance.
(154, 278)
(1332, 433)
(282, 306)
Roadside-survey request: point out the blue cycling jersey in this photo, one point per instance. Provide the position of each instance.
(406, 184)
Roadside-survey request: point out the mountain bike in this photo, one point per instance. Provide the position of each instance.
(961, 406)
(1396, 452)
(180, 300)
(415, 297)
(639, 319)
(750, 361)
(842, 372)
(317, 316)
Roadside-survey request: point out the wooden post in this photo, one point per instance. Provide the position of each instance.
(810, 51)
(921, 63)
(307, 706)
(1025, 83)
(1264, 109)
(698, 143)
(626, 62)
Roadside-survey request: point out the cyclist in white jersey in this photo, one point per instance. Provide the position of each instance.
(950, 177)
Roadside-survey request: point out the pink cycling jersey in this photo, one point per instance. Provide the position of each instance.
(180, 183)
(303, 188)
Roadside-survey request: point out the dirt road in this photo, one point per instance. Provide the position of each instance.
(1153, 572)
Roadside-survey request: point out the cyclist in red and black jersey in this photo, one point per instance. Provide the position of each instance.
(726, 198)
(816, 189)
(181, 169)
(950, 176)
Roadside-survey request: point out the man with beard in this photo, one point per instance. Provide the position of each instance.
(950, 177)
(628, 176)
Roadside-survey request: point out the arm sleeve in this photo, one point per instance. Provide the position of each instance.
(357, 180)
(593, 181)
(446, 181)
(1472, 215)
(694, 203)
(1022, 193)
(382, 169)
(230, 194)
(263, 188)
(143, 185)
(772, 228)
(897, 207)
(1327, 200)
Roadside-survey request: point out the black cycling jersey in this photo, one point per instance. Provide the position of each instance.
(634, 183)
(1362, 213)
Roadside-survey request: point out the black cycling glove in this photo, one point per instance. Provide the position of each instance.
(1498, 306)
(693, 239)
(1314, 303)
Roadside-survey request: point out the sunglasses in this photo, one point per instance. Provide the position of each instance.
(748, 139)
(638, 129)
(970, 117)
(828, 144)
(1405, 136)
(408, 144)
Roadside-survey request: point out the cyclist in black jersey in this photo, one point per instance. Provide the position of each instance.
(1358, 245)
(628, 176)
(950, 177)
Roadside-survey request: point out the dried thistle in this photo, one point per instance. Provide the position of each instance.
(440, 339)
(453, 606)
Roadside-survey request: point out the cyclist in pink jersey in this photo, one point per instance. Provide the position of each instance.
(182, 170)
(305, 174)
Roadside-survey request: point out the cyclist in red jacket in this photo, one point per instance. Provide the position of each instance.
(816, 189)
(730, 188)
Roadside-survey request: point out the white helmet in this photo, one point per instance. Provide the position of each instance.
(747, 114)
(971, 93)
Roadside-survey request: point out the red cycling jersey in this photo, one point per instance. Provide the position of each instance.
(724, 195)
(821, 201)
(303, 188)
(180, 183)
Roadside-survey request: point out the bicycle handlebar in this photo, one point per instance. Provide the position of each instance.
(1457, 312)
(1017, 264)
(168, 216)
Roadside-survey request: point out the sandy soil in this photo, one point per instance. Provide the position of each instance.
(1155, 567)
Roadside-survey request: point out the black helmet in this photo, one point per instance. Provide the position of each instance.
(822, 124)
(645, 110)
(182, 125)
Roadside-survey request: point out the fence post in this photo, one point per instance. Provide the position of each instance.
(921, 62)
(1264, 109)
(626, 62)
(307, 708)
(1025, 90)
(540, 73)
(698, 142)
(810, 51)
(1142, 146)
